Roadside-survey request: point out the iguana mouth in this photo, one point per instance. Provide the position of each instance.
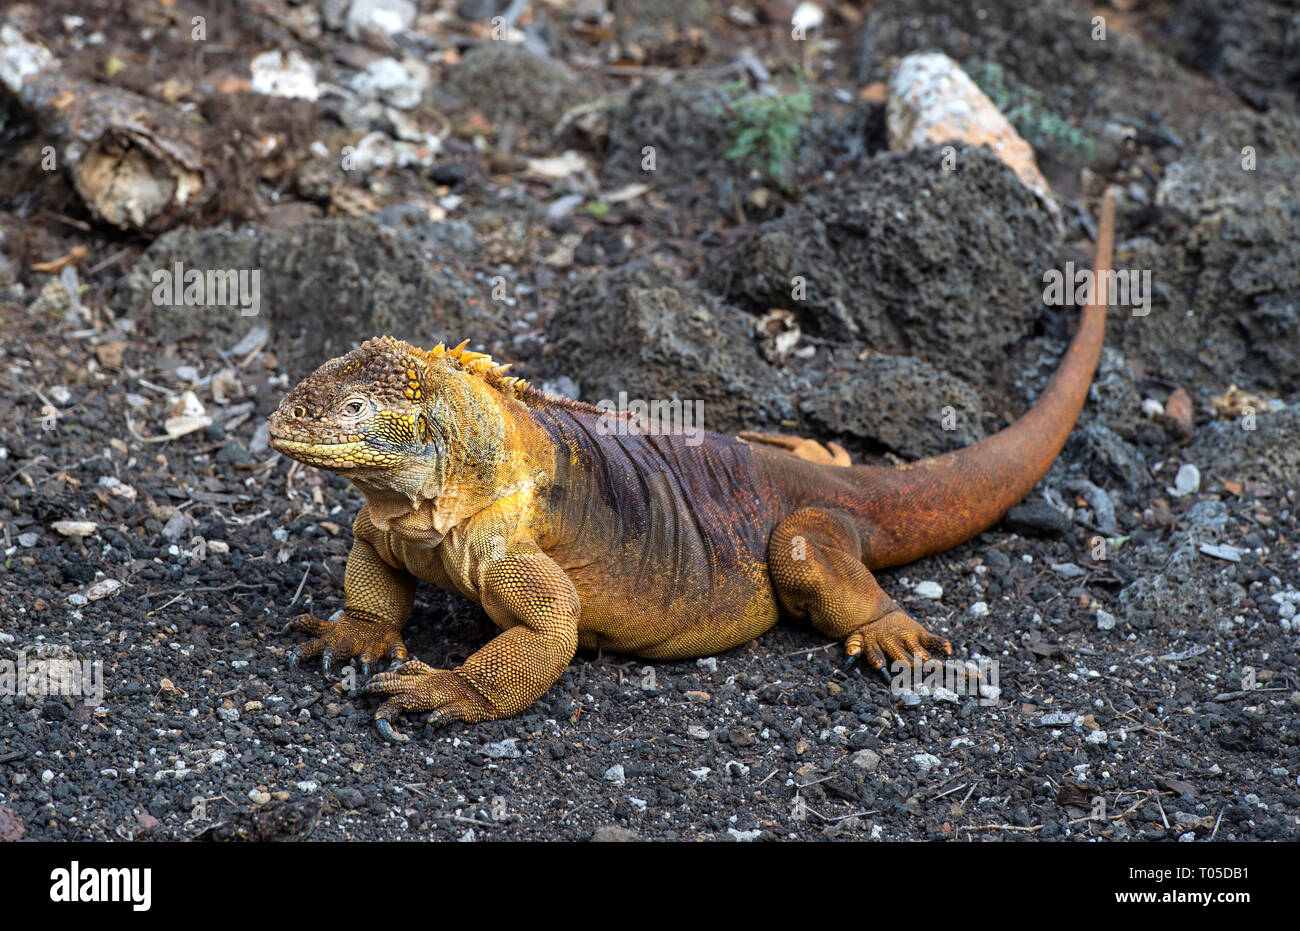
(353, 454)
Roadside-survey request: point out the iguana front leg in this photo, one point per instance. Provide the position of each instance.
(377, 603)
(528, 595)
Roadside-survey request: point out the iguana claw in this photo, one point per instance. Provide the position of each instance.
(386, 729)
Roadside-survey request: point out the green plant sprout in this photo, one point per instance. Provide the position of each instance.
(1027, 110)
(764, 129)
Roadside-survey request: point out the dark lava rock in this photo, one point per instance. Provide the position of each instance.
(631, 330)
(662, 30)
(1036, 518)
(689, 127)
(291, 820)
(1270, 453)
(906, 405)
(1226, 261)
(1252, 46)
(1106, 457)
(508, 83)
(324, 287)
(911, 258)
(686, 126)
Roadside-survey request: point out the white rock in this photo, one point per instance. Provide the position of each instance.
(807, 16)
(1105, 620)
(927, 761)
(1187, 481)
(932, 100)
(185, 415)
(278, 74)
(74, 528)
(117, 488)
(102, 589)
(382, 17)
(929, 589)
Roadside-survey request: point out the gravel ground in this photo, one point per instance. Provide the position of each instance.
(203, 728)
(1145, 689)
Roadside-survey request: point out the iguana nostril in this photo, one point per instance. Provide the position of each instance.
(299, 412)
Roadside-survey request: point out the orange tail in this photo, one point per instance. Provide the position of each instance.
(928, 506)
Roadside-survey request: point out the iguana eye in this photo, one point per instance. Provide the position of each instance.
(353, 408)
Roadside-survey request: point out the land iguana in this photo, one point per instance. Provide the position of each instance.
(572, 530)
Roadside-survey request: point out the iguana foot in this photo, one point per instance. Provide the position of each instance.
(829, 454)
(348, 637)
(415, 686)
(894, 637)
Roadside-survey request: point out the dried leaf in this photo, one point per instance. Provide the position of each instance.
(1179, 410)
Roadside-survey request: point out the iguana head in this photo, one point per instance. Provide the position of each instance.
(395, 418)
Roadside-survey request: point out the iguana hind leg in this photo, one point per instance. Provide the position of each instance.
(815, 561)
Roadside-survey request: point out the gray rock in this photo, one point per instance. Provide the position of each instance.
(1187, 481)
(326, 285)
(1106, 457)
(866, 760)
(614, 834)
(904, 256)
(508, 83)
(926, 762)
(503, 750)
(630, 330)
(1036, 518)
(177, 526)
(1270, 453)
(900, 403)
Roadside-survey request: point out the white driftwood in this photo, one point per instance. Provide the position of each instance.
(135, 163)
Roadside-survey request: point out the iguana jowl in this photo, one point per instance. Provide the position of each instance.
(571, 534)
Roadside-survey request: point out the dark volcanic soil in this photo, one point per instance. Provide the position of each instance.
(1143, 605)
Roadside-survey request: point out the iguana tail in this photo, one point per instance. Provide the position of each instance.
(928, 506)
